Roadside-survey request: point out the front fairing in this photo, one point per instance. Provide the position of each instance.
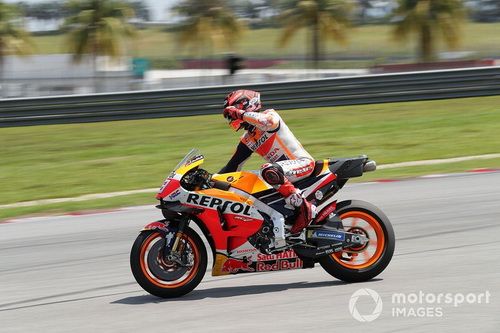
(171, 186)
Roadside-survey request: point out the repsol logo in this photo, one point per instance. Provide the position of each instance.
(257, 143)
(203, 200)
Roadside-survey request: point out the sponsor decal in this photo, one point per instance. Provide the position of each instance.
(165, 183)
(318, 195)
(232, 265)
(329, 234)
(279, 265)
(244, 219)
(327, 211)
(272, 155)
(175, 194)
(206, 201)
(194, 159)
(288, 254)
(277, 262)
(257, 143)
(300, 171)
(245, 250)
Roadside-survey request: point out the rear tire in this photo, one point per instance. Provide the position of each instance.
(349, 271)
(165, 279)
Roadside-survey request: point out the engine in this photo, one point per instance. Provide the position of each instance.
(264, 238)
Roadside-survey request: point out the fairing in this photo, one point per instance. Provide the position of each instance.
(231, 217)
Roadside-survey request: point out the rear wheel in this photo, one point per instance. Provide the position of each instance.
(164, 278)
(362, 263)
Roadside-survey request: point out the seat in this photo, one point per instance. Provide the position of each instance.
(348, 167)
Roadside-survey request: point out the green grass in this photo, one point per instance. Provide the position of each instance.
(70, 160)
(148, 198)
(82, 206)
(372, 40)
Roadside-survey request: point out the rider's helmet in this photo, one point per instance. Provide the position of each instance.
(247, 100)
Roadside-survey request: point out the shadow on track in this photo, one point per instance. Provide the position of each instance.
(223, 292)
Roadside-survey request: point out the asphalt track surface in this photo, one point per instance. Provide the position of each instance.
(71, 273)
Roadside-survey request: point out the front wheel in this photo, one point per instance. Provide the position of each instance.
(164, 278)
(362, 263)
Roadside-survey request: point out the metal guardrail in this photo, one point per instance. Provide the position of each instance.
(281, 95)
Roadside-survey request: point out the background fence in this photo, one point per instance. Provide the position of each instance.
(280, 95)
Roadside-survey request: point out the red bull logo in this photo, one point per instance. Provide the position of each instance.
(235, 265)
(277, 262)
(279, 265)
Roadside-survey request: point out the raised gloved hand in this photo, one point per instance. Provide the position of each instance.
(233, 113)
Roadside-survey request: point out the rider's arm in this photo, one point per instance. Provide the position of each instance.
(241, 154)
(267, 121)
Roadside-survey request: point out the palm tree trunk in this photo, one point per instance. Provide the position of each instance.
(426, 44)
(95, 52)
(316, 43)
(94, 70)
(2, 82)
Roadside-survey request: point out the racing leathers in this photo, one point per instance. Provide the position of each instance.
(269, 136)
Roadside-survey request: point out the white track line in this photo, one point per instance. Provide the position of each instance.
(76, 199)
(152, 190)
(440, 161)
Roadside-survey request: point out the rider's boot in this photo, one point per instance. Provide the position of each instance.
(304, 217)
(304, 209)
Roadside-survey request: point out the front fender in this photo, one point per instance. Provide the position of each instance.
(162, 226)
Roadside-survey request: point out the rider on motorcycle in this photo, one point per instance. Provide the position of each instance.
(269, 136)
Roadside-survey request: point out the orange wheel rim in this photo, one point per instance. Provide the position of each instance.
(146, 246)
(368, 255)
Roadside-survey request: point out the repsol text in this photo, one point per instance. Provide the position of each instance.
(205, 201)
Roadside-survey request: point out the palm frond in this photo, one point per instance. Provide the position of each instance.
(99, 27)
(13, 38)
(443, 17)
(207, 23)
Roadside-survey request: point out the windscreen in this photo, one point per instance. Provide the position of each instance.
(193, 155)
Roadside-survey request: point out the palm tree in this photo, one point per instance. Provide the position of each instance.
(325, 19)
(98, 28)
(13, 38)
(208, 24)
(427, 18)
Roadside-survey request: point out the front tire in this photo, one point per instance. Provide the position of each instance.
(160, 277)
(365, 262)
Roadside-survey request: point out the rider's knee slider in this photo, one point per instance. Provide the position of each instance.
(273, 174)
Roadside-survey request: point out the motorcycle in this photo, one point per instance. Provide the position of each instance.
(245, 222)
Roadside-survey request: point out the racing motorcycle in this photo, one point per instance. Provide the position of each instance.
(245, 222)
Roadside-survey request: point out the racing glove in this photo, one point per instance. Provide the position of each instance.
(233, 113)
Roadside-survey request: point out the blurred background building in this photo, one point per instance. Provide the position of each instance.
(50, 48)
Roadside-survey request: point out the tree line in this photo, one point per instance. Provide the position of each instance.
(102, 27)
(263, 13)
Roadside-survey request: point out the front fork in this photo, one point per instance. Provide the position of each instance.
(174, 247)
(177, 245)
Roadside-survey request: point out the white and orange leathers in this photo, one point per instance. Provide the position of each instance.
(269, 136)
(272, 139)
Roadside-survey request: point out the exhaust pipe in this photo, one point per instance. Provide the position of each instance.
(370, 166)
